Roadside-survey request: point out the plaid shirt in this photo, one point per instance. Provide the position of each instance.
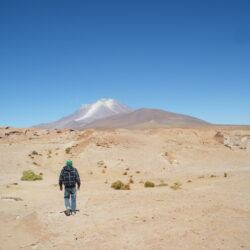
(69, 177)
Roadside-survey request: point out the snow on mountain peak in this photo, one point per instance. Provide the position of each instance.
(100, 109)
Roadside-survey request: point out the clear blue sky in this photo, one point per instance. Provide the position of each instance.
(190, 57)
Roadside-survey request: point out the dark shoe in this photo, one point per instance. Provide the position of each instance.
(67, 212)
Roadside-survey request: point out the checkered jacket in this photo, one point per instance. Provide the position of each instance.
(69, 177)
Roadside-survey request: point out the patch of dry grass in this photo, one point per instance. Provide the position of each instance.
(176, 186)
(68, 150)
(149, 184)
(119, 185)
(29, 175)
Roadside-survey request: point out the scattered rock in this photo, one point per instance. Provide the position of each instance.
(162, 185)
(228, 146)
(131, 181)
(11, 198)
(219, 137)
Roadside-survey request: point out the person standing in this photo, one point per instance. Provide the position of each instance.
(68, 178)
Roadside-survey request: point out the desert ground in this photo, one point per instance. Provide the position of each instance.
(201, 198)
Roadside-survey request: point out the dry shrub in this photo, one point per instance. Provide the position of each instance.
(149, 184)
(176, 186)
(119, 185)
(29, 175)
(67, 150)
(219, 137)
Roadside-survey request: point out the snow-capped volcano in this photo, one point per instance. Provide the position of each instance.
(88, 113)
(109, 113)
(100, 109)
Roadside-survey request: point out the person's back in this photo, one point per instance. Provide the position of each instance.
(69, 177)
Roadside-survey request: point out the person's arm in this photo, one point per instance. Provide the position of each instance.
(61, 180)
(78, 180)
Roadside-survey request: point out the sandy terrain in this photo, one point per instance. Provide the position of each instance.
(211, 210)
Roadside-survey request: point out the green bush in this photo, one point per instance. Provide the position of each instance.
(118, 185)
(29, 175)
(149, 184)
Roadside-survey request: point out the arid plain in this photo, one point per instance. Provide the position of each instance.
(201, 198)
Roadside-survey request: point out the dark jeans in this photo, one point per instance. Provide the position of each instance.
(70, 193)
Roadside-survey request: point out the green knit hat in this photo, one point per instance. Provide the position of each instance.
(69, 163)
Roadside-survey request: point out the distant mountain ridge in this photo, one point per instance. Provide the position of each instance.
(147, 118)
(109, 113)
(88, 113)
